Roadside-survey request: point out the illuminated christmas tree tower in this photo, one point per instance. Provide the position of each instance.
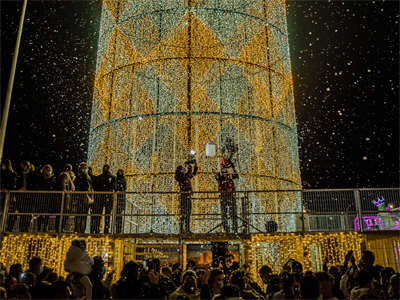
(174, 75)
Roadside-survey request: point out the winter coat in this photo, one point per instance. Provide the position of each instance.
(8, 180)
(100, 291)
(184, 179)
(31, 180)
(64, 182)
(46, 184)
(357, 292)
(83, 183)
(78, 260)
(121, 183)
(106, 182)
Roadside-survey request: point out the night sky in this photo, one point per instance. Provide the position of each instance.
(345, 64)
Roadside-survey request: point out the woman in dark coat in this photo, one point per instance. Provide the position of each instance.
(27, 202)
(8, 176)
(47, 181)
(27, 178)
(83, 183)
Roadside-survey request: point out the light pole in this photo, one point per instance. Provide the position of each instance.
(11, 82)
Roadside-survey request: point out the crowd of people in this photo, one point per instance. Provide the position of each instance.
(45, 179)
(151, 279)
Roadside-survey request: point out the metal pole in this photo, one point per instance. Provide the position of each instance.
(11, 82)
(4, 220)
(113, 213)
(61, 212)
(358, 208)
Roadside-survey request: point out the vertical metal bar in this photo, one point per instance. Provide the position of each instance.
(3, 221)
(113, 213)
(302, 211)
(358, 208)
(61, 212)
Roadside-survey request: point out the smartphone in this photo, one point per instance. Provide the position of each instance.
(351, 271)
(145, 265)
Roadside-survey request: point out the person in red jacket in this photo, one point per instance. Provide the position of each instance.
(185, 185)
(227, 188)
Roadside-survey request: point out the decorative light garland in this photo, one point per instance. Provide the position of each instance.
(174, 75)
(272, 249)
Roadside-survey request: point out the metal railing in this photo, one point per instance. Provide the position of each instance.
(242, 212)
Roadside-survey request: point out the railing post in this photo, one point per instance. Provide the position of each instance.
(61, 212)
(358, 208)
(113, 213)
(4, 219)
(302, 211)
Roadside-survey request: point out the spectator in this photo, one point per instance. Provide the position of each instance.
(3, 293)
(386, 274)
(59, 290)
(189, 287)
(216, 281)
(78, 264)
(176, 266)
(177, 273)
(166, 271)
(309, 287)
(250, 281)
(35, 266)
(287, 286)
(191, 265)
(365, 285)
(230, 291)
(239, 279)
(105, 182)
(326, 283)
(46, 180)
(271, 280)
(8, 176)
(100, 288)
(367, 263)
(121, 199)
(16, 290)
(130, 287)
(25, 203)
(188, 290)
(64, 183)
(41, 290)
(51, 277)
(27, 178)
(15, 270)
(393, 289)
(83, 183)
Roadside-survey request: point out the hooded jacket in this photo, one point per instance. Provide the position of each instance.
(78, 260)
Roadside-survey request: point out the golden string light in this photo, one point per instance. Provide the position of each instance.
(272, 249)
(174, 75)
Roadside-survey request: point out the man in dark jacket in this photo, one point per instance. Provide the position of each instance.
(100, 290)
(185, 185)
(121, 199)
(105, 182)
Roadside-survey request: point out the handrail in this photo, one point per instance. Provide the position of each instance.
(252, 211)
